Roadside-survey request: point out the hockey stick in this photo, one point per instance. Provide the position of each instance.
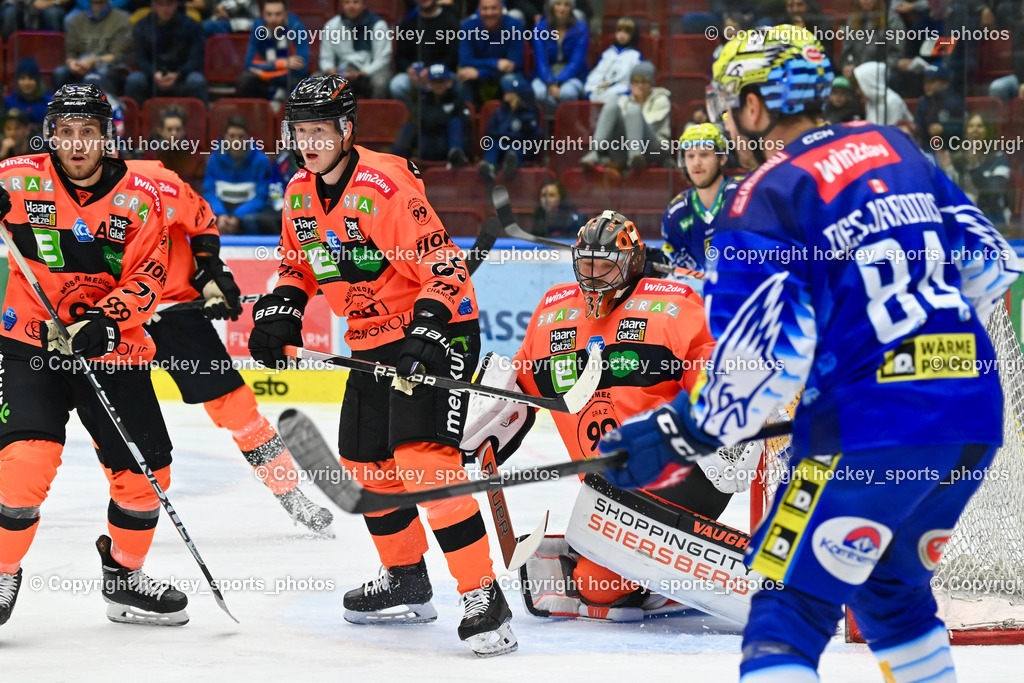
(308, 446)
(108, 407)
(513, 552)
(572, 401)
(504, 210)
(476, 255)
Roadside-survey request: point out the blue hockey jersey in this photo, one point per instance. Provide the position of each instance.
(687, 226)
(852, 265)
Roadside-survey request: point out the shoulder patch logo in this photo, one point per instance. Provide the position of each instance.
(835, 165)
(369, 177)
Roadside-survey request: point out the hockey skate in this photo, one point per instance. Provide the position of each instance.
(10, 584)
(398, 595)
(135, 598)
(485, 623)
(306, 512)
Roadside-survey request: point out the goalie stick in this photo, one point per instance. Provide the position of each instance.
(476, 255)
(503, 208)
(514, 552)
(108, 408)
(308, 447)
(572, 401)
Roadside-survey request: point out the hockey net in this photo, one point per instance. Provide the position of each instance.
(979, 583)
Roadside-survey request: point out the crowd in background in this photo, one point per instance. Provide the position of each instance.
(950, 74)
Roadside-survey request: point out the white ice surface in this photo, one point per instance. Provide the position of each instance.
(297, 634)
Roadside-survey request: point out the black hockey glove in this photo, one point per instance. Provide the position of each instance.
(92, 336)
(213, 279)
(426, 346)
(5, 202)
(278, 322)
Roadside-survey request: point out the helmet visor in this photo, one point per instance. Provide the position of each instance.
(720, 100)
(600, 270)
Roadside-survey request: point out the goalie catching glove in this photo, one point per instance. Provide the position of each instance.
(492, 419)
(663, 444)
(93, 335)
(213, 279)
(277, 322)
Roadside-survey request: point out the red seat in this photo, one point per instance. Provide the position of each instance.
(688, 55)
(574, 123)
(654, 9)
(224, 60)
(195, 117)
(325, 7)
(685, 87)
(379, 122)
(46, 47)
(524, 191)
(461, 222)
(132, 124)
(593, 192)
(680, 7)
(455, 188)
(645, 196)
(263, 123)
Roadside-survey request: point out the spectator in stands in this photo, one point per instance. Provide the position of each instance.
(807, 14)
(843, 103)
(32, 15)
(274, 63)
(492, 49)
(907, 78)
(610, 78)
(1008, 87)
(982, 171)
(361, 50)
(237, 184)
(169, 145)
(884, 105)
(232, 16)
(282, 168)
(642, 119)
(697, 117)
(17, 131)
(515, 122)
(560, 50)
(168, 54)
(441, 122)
(870, 20)
(423, 41)
(555, 215)
(940, 111)
(97, 47)
(30, 94)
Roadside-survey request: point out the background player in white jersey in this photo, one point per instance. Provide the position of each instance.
(859, 269)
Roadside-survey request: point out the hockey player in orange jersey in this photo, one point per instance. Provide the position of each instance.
(93, 233)
(654, 341)
(195, 267)
(357, 225)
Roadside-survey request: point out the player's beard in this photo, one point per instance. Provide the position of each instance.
(712, 180)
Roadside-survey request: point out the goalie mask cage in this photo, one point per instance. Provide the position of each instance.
(979, 583)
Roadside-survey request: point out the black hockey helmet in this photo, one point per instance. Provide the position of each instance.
(80, 101)
(318, 98)
(616, 255)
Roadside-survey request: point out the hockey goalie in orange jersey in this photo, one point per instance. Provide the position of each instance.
(654, 341)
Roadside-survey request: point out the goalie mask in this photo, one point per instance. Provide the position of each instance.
(608, 260)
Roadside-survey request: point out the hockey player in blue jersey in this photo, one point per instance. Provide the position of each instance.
(852, 266)
(688, 222)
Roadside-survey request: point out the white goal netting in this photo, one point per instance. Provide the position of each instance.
(979, 582)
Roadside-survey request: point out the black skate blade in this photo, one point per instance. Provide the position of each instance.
(125, 614)
(400, 614)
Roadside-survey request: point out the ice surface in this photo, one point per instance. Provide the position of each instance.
(296, 633)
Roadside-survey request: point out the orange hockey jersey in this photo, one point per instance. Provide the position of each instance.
(187, 215)
(654, 346)
(105, 246)
(375, 251)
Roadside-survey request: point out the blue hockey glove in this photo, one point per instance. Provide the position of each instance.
(662, 444)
